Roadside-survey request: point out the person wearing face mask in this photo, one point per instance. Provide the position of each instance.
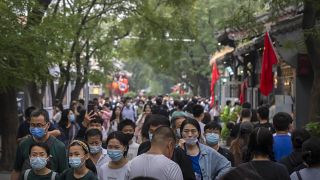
(81, 167)
(117, 149)
(98, 155)
(207, 163)
(128, 111)
(128, 127)
(68, 126)
(156, 162)
(39, 155)
(212, 132)
(39, 124)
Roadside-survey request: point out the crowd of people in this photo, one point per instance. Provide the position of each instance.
(164, 139)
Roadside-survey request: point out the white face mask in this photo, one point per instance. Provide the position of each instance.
(191, 141)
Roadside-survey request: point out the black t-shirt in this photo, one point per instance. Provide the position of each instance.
(293, 162)
(235, 131)
(68, 175)
(179, 157)
(258, 170)
(227, 154)
(32, 176)
(266, 125)
(24, 127)
(82, 132)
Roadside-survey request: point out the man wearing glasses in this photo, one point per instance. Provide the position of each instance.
(23, 130)
(39, 125)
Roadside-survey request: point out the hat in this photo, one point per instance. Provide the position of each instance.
(178, 114)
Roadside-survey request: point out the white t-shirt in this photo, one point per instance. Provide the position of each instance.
(106, 173)
(104, 158)
(154, 165)
(133, 150)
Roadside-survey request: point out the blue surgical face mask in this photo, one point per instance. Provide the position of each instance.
(191, 141)
(72, 118)
(38, 163)
(37, 132)
(75, 162)
(95, 149)
(212, 139)
(114, 154)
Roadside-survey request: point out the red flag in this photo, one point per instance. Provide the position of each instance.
(214, 78)
(269, 59)
(244, 86)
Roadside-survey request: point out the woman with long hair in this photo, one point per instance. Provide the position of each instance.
(141, 120)
(115, 119)
(239, 146)
(68, 126)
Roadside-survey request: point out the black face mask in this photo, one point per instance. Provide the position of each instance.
(129, 136)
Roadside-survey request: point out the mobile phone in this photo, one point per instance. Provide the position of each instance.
(90, 108)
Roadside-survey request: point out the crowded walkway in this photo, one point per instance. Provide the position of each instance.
(162, 138)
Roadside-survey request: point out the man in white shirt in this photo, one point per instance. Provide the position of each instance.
(98, 155)
(156, 162)
(128, 128)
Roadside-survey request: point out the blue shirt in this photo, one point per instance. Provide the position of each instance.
(196, 165)
(282, 146)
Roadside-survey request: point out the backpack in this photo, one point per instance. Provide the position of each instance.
(26, 174)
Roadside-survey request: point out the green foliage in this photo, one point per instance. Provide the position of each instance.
(131, 94)
(314, 128)
(175, 95)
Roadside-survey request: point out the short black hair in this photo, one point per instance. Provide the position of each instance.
(40, 144)
(228, 102)
(163, 133)
(81, 101)
(126, 122)
(28, 112)
(122, 138)
(96, 119)
(93, 132)
(281, 121)
(193, 122)
(157, 119)
(246, 105)
(298, 136)
(263, 112)
(245, 113)
(311, 151)
(39, 112)
(197, 110)
(213, 125)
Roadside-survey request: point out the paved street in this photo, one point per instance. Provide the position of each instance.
(4, 175)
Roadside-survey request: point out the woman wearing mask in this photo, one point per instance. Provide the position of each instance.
(79, 162)
(68, 126)
(39, 155)
(140, 122)
(117, 147)
(57, 111)
(206, 162)
(115, 119)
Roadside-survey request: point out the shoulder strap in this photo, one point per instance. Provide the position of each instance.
(53, 175)
(299, 175)
(26, 174)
